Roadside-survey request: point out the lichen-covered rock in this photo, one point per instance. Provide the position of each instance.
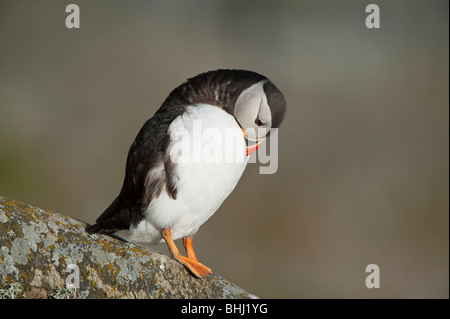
(47, 255)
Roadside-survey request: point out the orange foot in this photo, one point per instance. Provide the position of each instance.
(198, 269)
(191, 262)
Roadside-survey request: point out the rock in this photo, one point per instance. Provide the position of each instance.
(47, 255)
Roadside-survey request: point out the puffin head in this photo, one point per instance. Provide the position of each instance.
(254, 101)
(259, 108)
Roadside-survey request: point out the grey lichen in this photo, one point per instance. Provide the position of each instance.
(40, 251)
(65, 293)
(11, 292)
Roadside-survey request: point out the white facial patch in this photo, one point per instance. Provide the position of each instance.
(253, 112)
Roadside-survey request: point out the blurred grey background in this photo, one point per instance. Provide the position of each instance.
(363, 171)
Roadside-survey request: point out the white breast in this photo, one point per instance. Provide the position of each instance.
(209, 150)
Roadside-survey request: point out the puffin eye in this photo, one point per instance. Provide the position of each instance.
(258, 122)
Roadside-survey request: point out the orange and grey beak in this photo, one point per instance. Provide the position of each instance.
(253, 147)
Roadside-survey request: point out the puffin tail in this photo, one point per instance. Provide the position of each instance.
(115, 217)
(97, 228)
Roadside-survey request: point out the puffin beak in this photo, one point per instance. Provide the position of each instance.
(253, 147)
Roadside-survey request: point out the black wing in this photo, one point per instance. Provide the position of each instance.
(147, 151)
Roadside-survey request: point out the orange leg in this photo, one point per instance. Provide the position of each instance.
(187, 242)
(191, 263)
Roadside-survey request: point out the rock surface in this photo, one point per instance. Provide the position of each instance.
(43, 253)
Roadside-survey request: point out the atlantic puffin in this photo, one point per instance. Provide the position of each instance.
(179, 170)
